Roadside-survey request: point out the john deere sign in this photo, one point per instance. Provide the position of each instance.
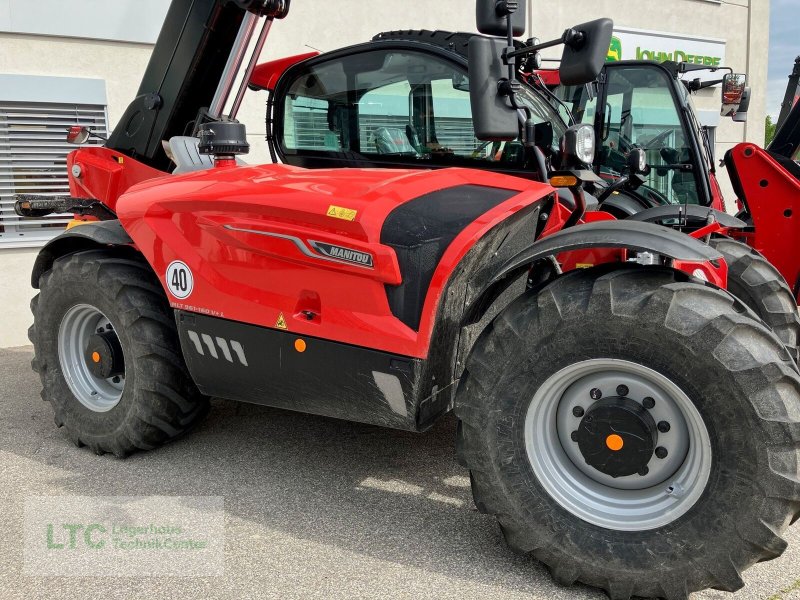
(638, 44)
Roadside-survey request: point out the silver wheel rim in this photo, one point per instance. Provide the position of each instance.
(633, 503)
(78, 325)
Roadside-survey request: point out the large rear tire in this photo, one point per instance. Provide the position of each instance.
(640, 342)
(107, 352)
(753, 280)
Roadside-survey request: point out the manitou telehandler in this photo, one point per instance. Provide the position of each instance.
(632, 425)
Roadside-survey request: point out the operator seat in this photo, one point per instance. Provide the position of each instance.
(393, 140)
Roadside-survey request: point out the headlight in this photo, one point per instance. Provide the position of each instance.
(637, 161)
(578, 144)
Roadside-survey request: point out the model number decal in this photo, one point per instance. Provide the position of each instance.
(363, 259)
(180, 280)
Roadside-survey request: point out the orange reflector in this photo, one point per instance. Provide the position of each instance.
(564, 181)
(300, 345)
(76, 222)
(614, 442)
(96, 357)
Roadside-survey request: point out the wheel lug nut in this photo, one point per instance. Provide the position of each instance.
(100, 330)
(661, 452)
(578, 411)
(109, 327)
(664, 427)
(648, 403)
(622, 390)
(645, 470)
(574, 436)
(596, 394)
(115, 379)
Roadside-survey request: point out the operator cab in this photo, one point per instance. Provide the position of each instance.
(399, 101)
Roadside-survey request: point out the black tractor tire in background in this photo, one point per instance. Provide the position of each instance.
(730, 367)
(159, 401)
(758, 284)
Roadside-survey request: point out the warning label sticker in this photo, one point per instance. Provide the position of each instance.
(339, 212)
(281, 323)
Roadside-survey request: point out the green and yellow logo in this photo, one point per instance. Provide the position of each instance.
(614, 50)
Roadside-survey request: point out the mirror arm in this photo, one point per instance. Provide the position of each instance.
(571, 37)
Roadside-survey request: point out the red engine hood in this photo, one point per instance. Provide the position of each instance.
(349, 202)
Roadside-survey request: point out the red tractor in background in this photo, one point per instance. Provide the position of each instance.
(632, 425)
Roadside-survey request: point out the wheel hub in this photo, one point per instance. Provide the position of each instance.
(104, 355)
(91, 358)
(617, 444)
(617, 436)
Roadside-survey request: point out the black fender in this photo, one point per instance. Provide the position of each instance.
(623, 204)
(633, 235)
(695, 215)
(100, 234)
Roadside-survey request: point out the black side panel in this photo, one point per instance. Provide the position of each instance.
(471, 299)
(420, 231)
(243, 362)
(184, 70)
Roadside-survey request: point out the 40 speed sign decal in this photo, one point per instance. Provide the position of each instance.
(180, 280)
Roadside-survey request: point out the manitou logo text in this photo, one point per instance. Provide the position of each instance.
(362, 259)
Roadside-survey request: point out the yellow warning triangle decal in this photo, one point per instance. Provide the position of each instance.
(332, 211)
(281, 324)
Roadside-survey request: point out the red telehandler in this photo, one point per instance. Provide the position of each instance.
(632, 425)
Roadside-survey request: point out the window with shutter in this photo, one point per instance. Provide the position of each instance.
(33, 160)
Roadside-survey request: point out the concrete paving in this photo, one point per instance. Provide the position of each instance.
(314, 507)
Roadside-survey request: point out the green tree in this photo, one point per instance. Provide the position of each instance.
(770, 129)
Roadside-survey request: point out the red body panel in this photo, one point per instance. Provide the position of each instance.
(237, 230)
(717, 199)
(550, 77)
(265, 76)
(773, 201)
(105, 174)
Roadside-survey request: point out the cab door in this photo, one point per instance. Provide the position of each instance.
(640, 106)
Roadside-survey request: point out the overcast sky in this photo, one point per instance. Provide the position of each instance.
(784, 46)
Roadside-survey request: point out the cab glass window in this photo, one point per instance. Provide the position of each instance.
(641, 112)
(396, 106)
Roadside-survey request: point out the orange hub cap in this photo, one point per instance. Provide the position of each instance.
(614, 442)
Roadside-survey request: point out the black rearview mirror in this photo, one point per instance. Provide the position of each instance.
(744, 105)
(585, 50)
(733, 87)
(493, 116)
(492, 17)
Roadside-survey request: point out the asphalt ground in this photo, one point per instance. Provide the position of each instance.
(313, 507)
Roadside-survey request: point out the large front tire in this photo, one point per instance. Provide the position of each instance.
(730, 386)
(107, 352)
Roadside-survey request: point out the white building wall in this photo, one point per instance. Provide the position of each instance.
(53, 37)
